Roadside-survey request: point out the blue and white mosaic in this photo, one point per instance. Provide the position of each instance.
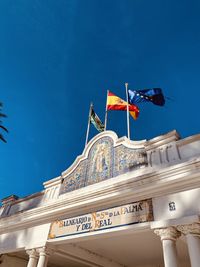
(104, 162)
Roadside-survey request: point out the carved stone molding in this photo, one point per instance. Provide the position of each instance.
(169, 233)
(44, 251)
(193, 229)
(32, 253)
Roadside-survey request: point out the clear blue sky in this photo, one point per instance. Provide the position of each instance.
(57, 56)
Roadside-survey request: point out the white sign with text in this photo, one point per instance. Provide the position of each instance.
(114, 217)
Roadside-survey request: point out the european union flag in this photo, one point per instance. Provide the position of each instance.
(154, 95)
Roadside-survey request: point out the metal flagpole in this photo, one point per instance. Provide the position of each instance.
(106, 113)
(88, 127)
(127, 113)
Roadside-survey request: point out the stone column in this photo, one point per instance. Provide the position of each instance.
(33, 258)
(192, 233)
(168, 237)
(44, 253)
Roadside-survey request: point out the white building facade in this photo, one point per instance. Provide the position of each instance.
(121, 203)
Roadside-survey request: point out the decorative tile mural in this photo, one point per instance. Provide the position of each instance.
(104, 161)
(127, 159)
(76, 179)
(100, 165)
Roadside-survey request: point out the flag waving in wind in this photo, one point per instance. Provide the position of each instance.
(94, 119)
(154, 95)
(2, 115)
(116, 103)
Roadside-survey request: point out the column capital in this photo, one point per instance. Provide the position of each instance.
(193, 229)
(44, 251)
(32, 253)
(169, 233)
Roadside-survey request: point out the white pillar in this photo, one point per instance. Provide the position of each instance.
(44, 253)
(168, 237)
(33, 257)
(192, 233)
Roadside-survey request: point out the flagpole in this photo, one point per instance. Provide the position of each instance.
(88, 126)
(127, 113)
(106, 113)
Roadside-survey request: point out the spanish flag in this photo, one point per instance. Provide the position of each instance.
(116, 103)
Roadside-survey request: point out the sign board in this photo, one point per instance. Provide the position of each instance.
(105, 219)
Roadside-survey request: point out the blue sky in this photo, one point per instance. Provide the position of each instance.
(57, 56)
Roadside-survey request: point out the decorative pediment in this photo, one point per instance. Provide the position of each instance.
(104, 157)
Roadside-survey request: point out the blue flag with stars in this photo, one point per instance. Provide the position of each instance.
(154, 95)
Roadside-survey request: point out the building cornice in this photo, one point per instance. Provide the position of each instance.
(133, 186)
(188, 140)
(161, 140)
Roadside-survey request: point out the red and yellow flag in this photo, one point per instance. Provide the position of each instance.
(116, 103)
